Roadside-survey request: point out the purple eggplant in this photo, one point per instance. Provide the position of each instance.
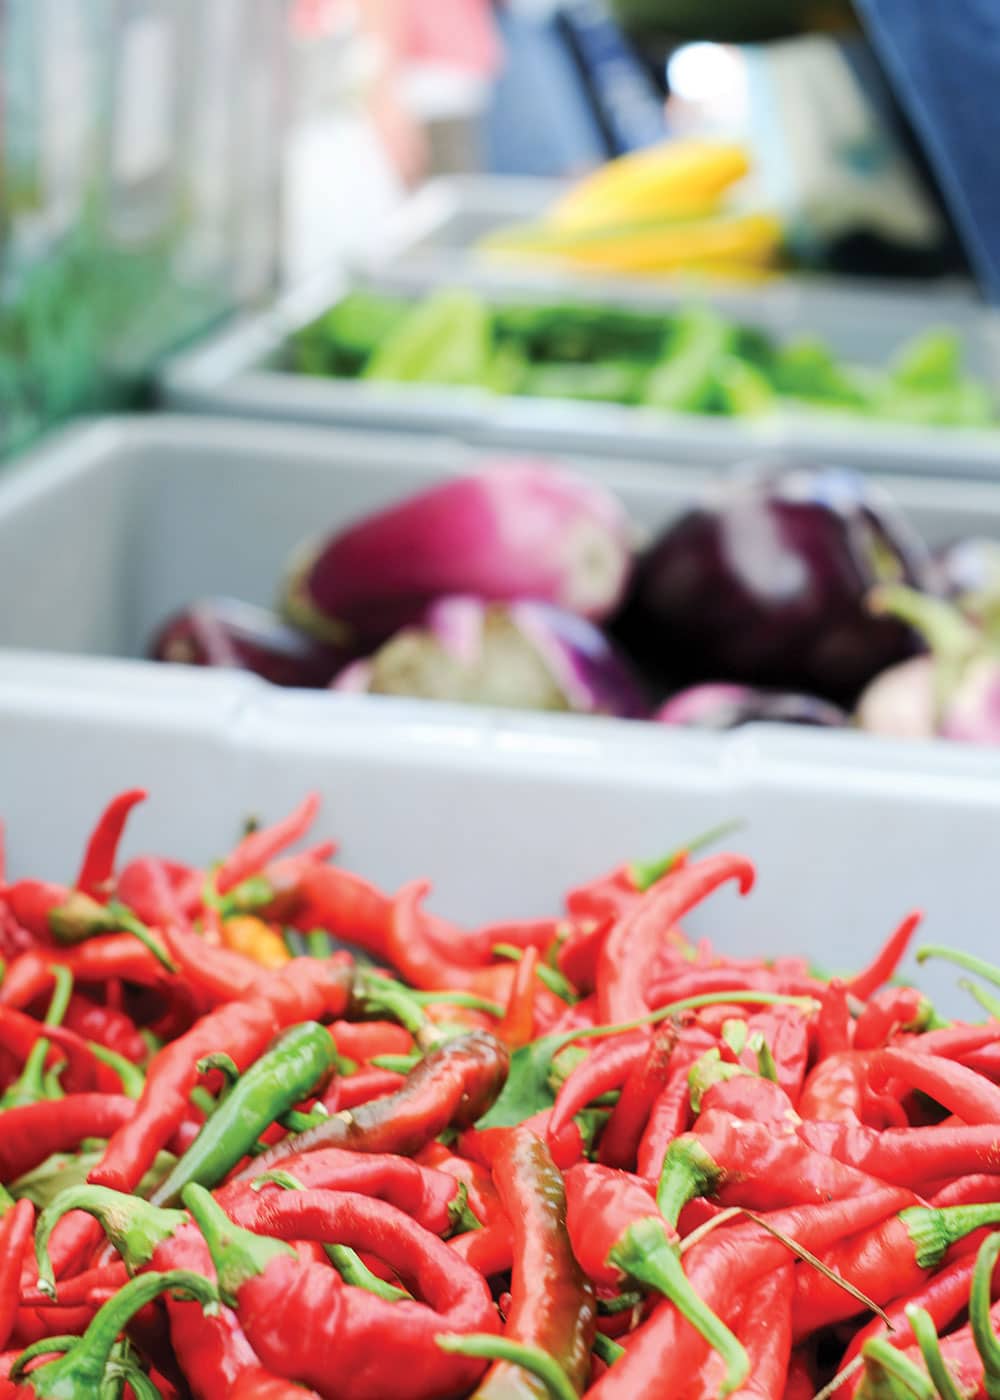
(718, 705)
(765, 583)
(226, 632)
(524, 655)
(954, 691)
(521, 530)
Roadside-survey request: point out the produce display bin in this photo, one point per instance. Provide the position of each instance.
(503, 813)
(137, 517)
(240, 371)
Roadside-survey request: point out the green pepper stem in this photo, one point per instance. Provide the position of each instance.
(463, 1218)
(987, 1000)
(649, 1256)
(881, 1356)
(989, 971)
(124, 921)
(609, 1351)
(237, 1254)
(7, 1201)
(45, 1346)
(133, 1226)
(934, 1231)
(132, 1078)
(645, 873)
(545, 1367)
(710, 1069)
(29, 1086)
(930, 1349)
(980, 1294)
(688, 1171)
(82, 1369)
(224, 1063)
(142, 1387)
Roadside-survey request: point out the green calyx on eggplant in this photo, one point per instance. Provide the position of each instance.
(524, 655)
(953, 691)
(226, 632)
(765, 583)
(515, 530)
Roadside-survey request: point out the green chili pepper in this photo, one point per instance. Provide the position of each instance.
(300, 1059)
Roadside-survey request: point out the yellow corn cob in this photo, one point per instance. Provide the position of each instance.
(677, 177)
(754, 239)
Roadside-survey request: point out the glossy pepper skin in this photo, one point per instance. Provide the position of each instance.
(451, 1087)
(32, 1132)
(351, 1344)
(552, 1304)
(297, 1064)
(16, 1228)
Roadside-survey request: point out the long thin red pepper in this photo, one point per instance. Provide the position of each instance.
(102, 848)
(884, 965)
(889, 1011)
(518, 1024)
(909, 1155)
(99, 959)
(16, 1229)
(624, 962)
(962, 1091)
(671, 1110)
(255, 1383)
(623, 1131)
(34, 1131)
(665, 1349)
(160, 891)
(605, 1068)
(834, 1029)
(765, 1330)
(260, 847)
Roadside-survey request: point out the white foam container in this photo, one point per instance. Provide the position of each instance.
(503, 813)
(238, 371)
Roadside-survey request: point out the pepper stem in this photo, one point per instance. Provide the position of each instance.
(889, 1373)
(133, 1226)
(987, 970)
(645, 873)
(987, 1343)
(688, 1171)
(930, 1349)
(545, 1367)
(647, 1254)
(934, 1231)
(82, 1369)
(29, 1086)
(237, 1254)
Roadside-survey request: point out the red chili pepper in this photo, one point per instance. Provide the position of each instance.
(909, 1155)
(220, 973)
(16, 1229)
(962, 1091)
(566, 1147)
(643, 1085)
(489, 1251)
(758, 1100)
(99, 959)
(34, 1131)
(20, 1033)
(552, 1304)
(985, 1061)
(363, 1087)
(432, 1198)
(663, 1350)
(838, 1091)
(82, 1289)
(884, 966)
(671, 1111)
(786, 1033)
(106, 1026)
(256, 1383)
(260, 847)
(890, 1259)
(350, 1343)
(765, 1331)
(800, 1384)
(452, 1086)
(348, 906)
(363, 1040)
(483, 1199)
(102, 848)
(834, 1028)
(477, 946)
(888, 1011)
(633, 940)
(580, 953)
(518, 1024)
(605, 1068)
(750, 1164)
(160, 891)
(32, 901)
(413, 949)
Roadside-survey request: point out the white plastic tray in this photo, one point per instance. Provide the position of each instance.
(111, 526)
(237, 372)
(503, 813)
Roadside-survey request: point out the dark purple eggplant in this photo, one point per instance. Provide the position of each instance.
(526, 655)
(226, 632)
(765, 583)
(719, 705)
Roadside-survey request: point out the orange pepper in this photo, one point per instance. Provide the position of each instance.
(255, 939)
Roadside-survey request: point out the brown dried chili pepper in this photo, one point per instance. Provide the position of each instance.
(623, 969)
(552, 1303)
(451, 1087)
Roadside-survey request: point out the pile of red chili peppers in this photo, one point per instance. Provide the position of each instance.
(268, 1131)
